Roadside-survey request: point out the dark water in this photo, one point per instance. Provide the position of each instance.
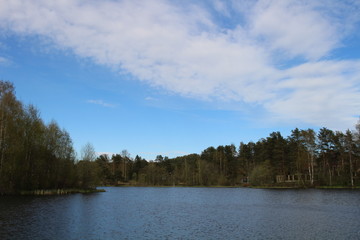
(184, 213)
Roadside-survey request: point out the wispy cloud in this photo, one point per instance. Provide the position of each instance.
(149, 99)
(221, 7)
(4, 61)
(278, 55)
(101, 103)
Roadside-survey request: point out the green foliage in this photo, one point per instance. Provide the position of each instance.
(262, 174)
(35, 155)
(315, 159)
(88, 174)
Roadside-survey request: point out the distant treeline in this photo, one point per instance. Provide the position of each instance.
(305, 158)
(35, 155)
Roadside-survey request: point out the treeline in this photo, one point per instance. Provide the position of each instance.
(305, 158)
(35, 155)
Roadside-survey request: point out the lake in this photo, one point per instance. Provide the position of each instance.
(184, 213)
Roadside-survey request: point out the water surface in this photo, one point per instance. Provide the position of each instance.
(184, 213)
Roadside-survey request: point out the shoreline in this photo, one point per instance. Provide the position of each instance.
(58, 192)
(51, 192)
(254, 187)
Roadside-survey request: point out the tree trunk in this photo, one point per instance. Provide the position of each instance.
(351, 170)
(312, 169)
(330, 176)
(200, 176)
(2, 138)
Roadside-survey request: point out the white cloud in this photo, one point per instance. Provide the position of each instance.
(184, 50)
(101, 103)
(150, 99)
(325, 91)
(4, 61)
(221, 7)
(294, 27)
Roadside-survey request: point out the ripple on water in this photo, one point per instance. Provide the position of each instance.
(184, 213)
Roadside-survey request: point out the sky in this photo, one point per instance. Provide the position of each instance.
(171, 78)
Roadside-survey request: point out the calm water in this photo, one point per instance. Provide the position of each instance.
(184, 213)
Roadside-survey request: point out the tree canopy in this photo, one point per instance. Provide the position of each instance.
(37, 155)
(33, 154)
(305, 158)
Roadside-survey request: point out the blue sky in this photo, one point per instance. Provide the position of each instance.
(175, 77)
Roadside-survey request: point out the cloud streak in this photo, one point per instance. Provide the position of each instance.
(101, 103)
(279, 56)
(4, 61)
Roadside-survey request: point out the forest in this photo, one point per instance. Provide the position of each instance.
(35, 155)
(303, 159)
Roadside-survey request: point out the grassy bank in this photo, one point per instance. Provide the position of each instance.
(48, 192)
(288, 186)
(337, 187)
(304, 187)
(177, 186)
